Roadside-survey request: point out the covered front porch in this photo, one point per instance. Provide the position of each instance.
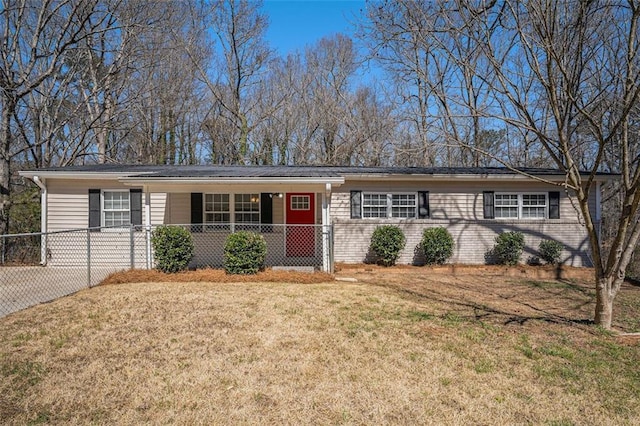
(292, 214)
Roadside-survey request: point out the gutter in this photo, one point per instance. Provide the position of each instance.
(43, 219)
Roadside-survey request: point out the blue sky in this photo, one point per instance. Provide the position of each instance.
(293, 24)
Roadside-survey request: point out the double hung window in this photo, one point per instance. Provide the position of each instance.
(116, 208)
(223, 209)
(378, 205)
(521, 206)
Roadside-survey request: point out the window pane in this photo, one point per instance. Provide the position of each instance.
(403, 205)
(115, 208)
(534, 212)
(300, 202)
(506, 212)
(247, 208)
(216, 207)
(375, 200)
(506, 206)
(115, 218)
(534, 200)
(374, 205)
(374, 211)
(506, 200)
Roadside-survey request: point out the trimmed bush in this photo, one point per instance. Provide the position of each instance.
(509, 246)
(550, 251)
(172, 248)
(386, 243)
(437, 244)
(244, 253)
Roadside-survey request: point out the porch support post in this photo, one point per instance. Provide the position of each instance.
(147, 224)
(43, 219)
(327, 264)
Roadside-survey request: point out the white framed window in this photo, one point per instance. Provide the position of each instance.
(374, 205)
(534, 206)
(116, 208)
(403, 205)
(506, 206)
(217, 209)
(394, 205)
(300, 202)
(247, 208)
(223, 209)
(521, 205)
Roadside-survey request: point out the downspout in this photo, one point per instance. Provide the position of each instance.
(43, 219)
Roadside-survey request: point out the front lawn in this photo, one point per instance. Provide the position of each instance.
(398, 346)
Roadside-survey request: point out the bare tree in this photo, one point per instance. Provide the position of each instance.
(557, 72)
(240, 29)
(36, 37)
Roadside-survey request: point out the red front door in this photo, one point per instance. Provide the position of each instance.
(300, 211)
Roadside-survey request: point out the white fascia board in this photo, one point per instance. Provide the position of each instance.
(233, 181)
(72, 175)
(434, 177)
(464, 177)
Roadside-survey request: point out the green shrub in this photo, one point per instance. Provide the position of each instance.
(509, 246)
(244, 253)
(437, 244)
(172, 248)
(386, 243)
(550, 251)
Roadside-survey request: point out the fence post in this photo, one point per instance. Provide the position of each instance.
(148, 245)
(331, 254)
(132, 247)
(43, 248)
(88, 257)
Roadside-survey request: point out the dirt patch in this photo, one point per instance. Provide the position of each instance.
(215, 276)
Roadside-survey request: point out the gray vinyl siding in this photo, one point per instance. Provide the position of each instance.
(68, 208)
(452, 200)
(458, 206)
(68, 203)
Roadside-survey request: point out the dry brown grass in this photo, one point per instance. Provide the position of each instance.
(397, 347)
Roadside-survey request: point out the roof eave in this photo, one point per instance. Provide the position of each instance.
(73, 175)
(467, 177)
(141, 180)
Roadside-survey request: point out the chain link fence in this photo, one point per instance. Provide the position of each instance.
(40, 267)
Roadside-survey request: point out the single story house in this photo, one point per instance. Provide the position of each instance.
(309, 215)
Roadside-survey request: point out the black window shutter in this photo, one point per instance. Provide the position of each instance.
(554, 205)
(488, 204)
(356, 204)
(135, 198)
(266, 211)
(196, 212)
(423, 205)
(94, 210)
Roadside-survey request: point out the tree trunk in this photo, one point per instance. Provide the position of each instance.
(5, 160)
(604, 300)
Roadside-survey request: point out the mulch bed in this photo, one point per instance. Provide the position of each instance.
(215, 275)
